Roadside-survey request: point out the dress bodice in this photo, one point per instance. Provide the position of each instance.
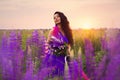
(57, 38)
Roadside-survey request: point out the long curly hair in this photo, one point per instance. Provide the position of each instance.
(65, 27)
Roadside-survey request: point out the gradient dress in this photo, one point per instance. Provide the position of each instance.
(58, 46)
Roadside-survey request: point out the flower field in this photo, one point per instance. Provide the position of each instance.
(24, 55)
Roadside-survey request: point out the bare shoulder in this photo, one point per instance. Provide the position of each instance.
(51, 30)
(49, 35)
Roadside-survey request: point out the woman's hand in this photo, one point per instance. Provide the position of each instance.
(68, 50)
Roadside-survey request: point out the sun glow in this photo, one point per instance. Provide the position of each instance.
(86, 26)
(86, 23)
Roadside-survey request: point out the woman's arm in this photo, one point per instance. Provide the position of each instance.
(68, 58)
(69, 48)
(49, 36)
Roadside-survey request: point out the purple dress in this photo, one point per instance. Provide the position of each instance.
(58, 47)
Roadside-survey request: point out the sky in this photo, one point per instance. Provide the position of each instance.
(38, 14)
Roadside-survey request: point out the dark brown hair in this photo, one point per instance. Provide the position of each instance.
(65, 27)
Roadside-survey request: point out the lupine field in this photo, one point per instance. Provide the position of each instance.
(24, 55)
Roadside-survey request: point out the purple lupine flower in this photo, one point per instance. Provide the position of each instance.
(102, 67)
(35, 43)
(45, 73)
(47, 68)
(40, 49)
(108, 68)
(47, 61)
(13, 45)
(6, 65)
(35, 37)
(75, 70)
(15, 55)
(7, 68)
(113, 45)
(42, 46)
(19, 40)
(4, 45)
(90, 59)
(5, 60)
(29, 64)
(104, 44)
(4, 42)
(29, 71)
(114, 65)
(80, 68)
(113, 69)
(17, 65)
(36, 48)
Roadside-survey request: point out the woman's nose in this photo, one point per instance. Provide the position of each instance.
(55, 19)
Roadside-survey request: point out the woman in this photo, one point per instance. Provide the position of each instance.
(60, 41)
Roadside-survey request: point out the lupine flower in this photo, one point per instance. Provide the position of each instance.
(113, 45)
(75, 70)
(90, 59)
(42, 47)
(108, 68)
(5, 60)
(13, 45)
(16, 55)
(4, 42)
(7, 68)
(100, 70)
(35, 37)
(29, 65)
(45, 73)
(11, 58)
(113, 68)
(29, 72)
(104, 45)
(19, 40)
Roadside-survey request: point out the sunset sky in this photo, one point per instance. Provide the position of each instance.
(37, 14)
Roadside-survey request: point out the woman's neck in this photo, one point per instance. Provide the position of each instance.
(59, 26)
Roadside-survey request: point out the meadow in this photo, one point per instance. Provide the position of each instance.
(23, 55)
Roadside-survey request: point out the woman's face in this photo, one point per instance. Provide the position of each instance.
(57, 19)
